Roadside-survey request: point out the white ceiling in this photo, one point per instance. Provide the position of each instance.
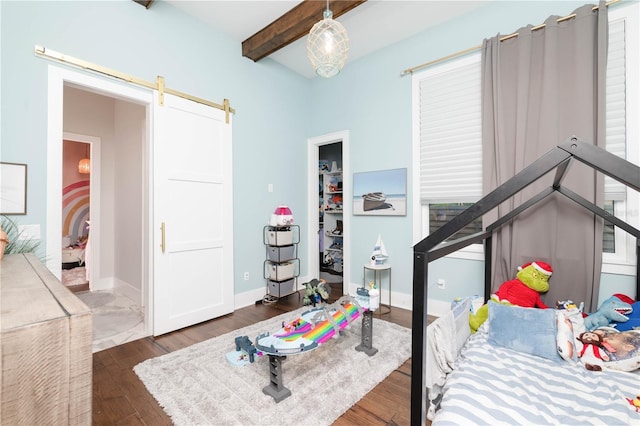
(371, 26)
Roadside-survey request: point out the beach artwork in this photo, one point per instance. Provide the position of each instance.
(380, 193)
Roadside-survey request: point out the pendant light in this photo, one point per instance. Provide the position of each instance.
(84, 166)
(328, 46)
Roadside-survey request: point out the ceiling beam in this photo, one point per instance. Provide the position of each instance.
(145, 3)
(291, 26)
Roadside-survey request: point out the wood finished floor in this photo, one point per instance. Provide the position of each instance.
(120, 398)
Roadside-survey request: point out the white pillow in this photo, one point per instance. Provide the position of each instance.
(565, 337)
(461, 318)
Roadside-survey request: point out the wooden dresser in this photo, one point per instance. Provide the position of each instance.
(45, 347)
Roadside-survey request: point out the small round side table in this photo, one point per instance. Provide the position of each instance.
(377, 280)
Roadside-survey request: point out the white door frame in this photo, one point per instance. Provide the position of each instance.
(313, 224)
(57, 78)
(94, 201)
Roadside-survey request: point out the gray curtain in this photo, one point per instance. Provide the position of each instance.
(538, 89)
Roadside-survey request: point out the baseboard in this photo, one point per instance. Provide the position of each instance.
(435, 307)
(101, 284)
(248, 298)
(400, 300)
(126, 289)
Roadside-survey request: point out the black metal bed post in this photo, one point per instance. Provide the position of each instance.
(419, 340)
(488, 260)
(637, 268)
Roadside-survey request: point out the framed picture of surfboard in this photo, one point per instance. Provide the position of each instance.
(380, 193)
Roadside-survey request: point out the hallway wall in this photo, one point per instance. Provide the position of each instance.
(75, 192)
(120, 126)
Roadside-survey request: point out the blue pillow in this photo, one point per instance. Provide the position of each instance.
(529, 330)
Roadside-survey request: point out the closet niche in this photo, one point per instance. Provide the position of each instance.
(330, 208)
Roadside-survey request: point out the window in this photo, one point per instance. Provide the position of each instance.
(448, 140)
(623, 93)
(449, 148)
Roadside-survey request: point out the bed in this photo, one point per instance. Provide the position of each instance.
(495, 375)
(488, 383)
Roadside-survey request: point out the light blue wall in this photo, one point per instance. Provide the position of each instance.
(277, 111)
(372, 101)
(270, 127)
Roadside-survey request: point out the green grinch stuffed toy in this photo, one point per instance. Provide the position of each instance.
(531, 280)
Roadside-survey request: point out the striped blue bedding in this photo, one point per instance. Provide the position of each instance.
(494, 385)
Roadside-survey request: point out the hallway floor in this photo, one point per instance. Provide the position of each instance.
(75, 279)
(116, 318)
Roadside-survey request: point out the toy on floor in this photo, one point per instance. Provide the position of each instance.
(612, 309)
(369, 297)
(312, 329)
(245, 352)
(316, 291)
(531, 280)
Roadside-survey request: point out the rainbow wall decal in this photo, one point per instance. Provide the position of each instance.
(75, 210)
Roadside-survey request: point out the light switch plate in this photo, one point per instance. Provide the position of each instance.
(28, 232)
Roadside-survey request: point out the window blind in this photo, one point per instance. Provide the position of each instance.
(451, 132)
(616, 105)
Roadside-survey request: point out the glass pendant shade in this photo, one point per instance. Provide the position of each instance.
(328, 46)
(84, 166)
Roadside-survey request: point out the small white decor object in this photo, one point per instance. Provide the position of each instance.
(379, 255)
(282, 216)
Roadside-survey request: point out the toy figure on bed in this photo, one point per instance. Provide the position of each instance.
(531, 280)
(633, 318)
(612, 349)
(591, 354)
(635, 403)
(614, 309)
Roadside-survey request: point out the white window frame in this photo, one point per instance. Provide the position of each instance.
(621, 262)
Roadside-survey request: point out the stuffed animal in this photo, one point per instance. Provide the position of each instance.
(612, 309)
(633, 323)
(531, 280)
(615, 350)
(591, 354)
(317, 291)
(635, 403)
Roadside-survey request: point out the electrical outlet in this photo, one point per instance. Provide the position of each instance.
(246, 276)
(441, 283)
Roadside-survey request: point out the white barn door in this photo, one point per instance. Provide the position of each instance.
(193, 222)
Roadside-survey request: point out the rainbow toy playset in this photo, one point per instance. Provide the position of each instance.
(309, 331)
(313, 328)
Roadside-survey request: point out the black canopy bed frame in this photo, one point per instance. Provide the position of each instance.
(434, 246)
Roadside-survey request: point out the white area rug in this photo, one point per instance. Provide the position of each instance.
(198, 386)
